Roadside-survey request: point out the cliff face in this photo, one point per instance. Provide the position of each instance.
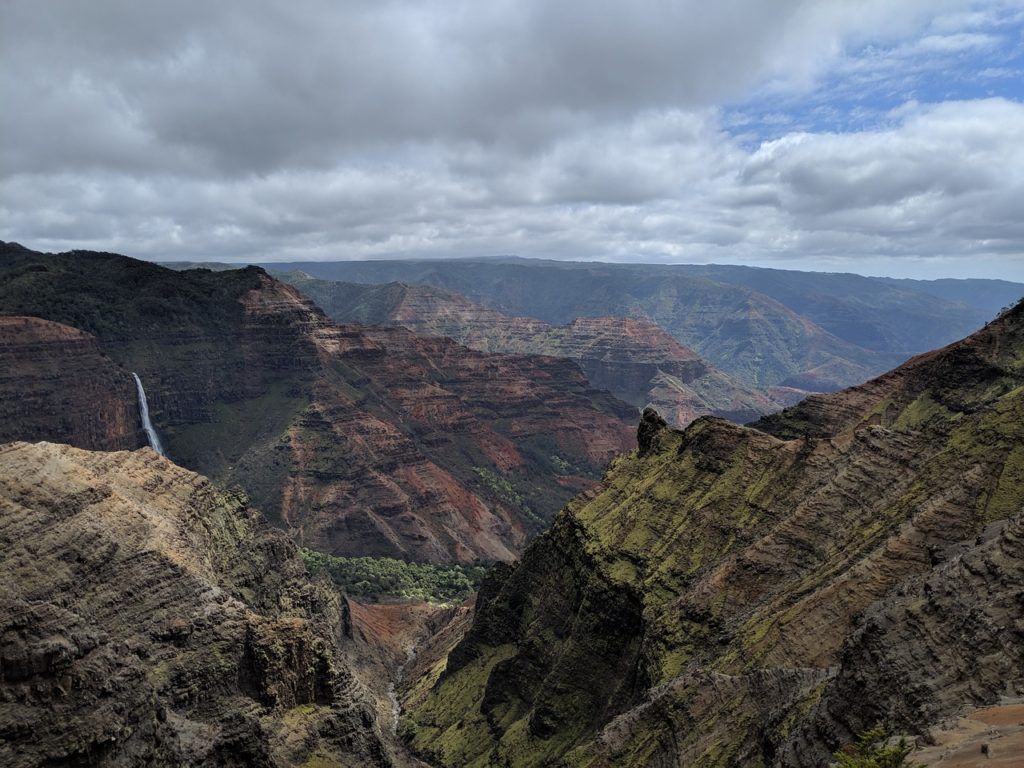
(422, 447)
(151, 619)
(632, 358)
(741, 596)
(805, 331)
(56, 384)
(950, 639)
(360, 441)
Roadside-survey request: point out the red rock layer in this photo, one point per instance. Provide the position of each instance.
(360, 441)
(633, 358)
(440, 452)
(55, 384)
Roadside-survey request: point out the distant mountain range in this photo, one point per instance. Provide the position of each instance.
(764, 327)
(632, 358)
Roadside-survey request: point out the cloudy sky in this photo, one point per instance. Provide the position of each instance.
(874, 136)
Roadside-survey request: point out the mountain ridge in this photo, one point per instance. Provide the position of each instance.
(730, 596)
(632, 358)
(712, 309)
(360, 440)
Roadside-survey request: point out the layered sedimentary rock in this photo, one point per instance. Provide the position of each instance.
(758, 337)
(632, 358)
(758, 596)
(359, 440)
(56, 384)
(455, 454)
(149, 618)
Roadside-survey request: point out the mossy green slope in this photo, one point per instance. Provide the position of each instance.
(692, 611)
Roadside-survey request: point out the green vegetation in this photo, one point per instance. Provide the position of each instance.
(465, 740)
(81, 288)
(382, 578)
(561, 464)
(501, 488)
(247, 431)
(874, 750)
(507, 493)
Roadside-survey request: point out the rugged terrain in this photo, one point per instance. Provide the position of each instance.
(761, 595)
(149, 618)
(55, 383)
(632, 358)
(360, 441)
(764, 327)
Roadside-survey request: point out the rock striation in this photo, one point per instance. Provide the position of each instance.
(762, 327)
(149, 618)
(358, 440)
(633, 358)
(760, 595)
(56, 384)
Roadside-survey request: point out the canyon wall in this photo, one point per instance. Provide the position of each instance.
(759, 595)
(56, 384)
(150, 618)
(632, 358)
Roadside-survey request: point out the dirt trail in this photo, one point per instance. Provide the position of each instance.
(992, 737)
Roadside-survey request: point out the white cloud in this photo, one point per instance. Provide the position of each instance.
(325, 130)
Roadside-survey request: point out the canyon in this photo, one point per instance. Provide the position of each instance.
(358, 440)
(709, 595)
(762, 595)
(632, 358)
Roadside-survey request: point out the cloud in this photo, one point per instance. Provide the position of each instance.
(240, 87)
(262, 130)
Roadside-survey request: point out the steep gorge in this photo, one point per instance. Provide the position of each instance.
(632, 358)
(759, 595)
(358, 440)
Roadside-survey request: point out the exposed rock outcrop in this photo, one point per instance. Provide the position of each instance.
(56, 384)
(358, 440)
(151, 619)
(651, 426)
(948, 640)
(748, 596)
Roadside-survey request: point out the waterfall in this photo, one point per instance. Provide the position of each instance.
(154, 438)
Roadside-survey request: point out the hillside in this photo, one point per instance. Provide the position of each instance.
(55, 383)
(813, 331)
(633, 359)
(149, 618)
(760, 596)
(360, 441)
(880, 314)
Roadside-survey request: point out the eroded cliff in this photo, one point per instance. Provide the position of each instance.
(56, 384)
(740, 596)
(149, 618)
(358, 440)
